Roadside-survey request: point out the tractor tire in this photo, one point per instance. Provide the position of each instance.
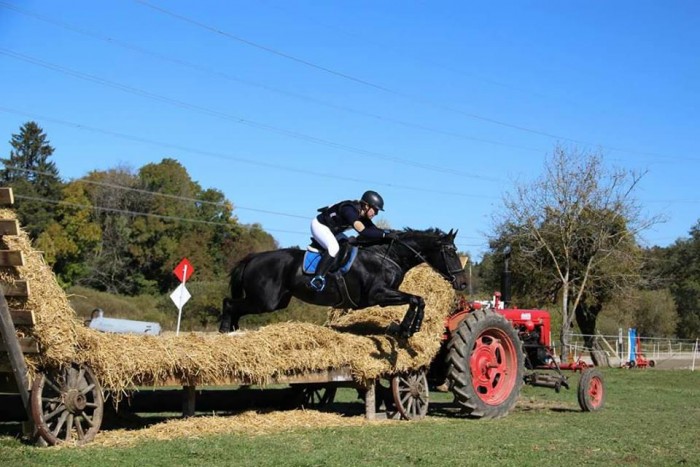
(591, 390)
(485, 365)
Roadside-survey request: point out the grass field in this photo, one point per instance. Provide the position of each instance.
(651, 417)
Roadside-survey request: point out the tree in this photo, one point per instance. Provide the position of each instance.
(679, 268)
(111, 267)
(573, 234)
(72, 238)
(33, 177)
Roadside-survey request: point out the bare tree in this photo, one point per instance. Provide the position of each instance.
(574, 230)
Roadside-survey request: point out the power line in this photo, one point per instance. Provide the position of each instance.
(158, 216)
(382, 88)
(119, 211)
(355, 79)
(163, 195)
(335, 29)
(224, 115)
(229, 77)
(229, 157)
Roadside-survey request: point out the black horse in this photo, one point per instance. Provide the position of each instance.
(263, 282)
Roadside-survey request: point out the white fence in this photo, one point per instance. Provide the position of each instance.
(683, 352)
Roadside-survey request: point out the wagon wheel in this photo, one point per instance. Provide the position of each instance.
(67, 405)
(591, 392)
(411, 394)
(317, 396)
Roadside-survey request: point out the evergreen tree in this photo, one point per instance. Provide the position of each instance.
(33, 177)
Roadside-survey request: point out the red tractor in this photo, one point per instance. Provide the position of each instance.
(490, 351)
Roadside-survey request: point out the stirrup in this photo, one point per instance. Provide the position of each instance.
(318, 283)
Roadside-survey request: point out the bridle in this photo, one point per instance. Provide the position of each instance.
(449, 276)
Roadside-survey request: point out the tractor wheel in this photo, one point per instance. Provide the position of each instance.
(591, 393)
(67, 406)
(411, 394)
(485, 365)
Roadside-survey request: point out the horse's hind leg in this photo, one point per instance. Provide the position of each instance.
(227, 324)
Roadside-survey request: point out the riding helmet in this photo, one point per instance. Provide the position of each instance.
(373, 199)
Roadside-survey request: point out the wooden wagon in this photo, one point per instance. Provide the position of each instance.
(66, 403)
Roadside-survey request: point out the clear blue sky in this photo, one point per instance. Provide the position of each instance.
(286, 106)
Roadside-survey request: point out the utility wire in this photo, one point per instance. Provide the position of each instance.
(202, 69)
(259, 163)
(311, 99)
(385, 89)
(382, 88)
(162, 195)
(157, 216)
(225, 116)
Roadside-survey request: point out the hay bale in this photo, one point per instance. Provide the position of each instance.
(356, 340)
(56, 322)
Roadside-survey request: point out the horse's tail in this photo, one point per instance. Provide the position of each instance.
(236, 281)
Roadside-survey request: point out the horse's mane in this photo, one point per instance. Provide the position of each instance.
(430, 232)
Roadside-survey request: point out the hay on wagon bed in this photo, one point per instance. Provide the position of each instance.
(355, 340)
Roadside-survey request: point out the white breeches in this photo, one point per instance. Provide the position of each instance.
(325, 237)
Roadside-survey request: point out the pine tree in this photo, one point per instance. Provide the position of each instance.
(33, 177)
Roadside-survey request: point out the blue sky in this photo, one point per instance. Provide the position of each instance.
(287, 106)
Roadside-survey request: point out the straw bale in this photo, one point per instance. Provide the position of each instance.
(56, 321)
(356, 340)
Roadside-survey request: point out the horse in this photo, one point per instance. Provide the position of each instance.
(264, 282)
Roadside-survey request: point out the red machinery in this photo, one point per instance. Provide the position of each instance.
(640, 361)
(491, 351)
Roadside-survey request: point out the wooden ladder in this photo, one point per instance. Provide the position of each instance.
(13, 369)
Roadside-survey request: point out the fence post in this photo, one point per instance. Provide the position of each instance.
(695, 352)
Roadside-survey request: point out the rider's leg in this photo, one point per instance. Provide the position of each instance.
(319, 280)
(325, 237)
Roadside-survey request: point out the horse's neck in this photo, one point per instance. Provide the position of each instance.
(405, 255)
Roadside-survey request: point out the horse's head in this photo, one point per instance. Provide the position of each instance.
(438, 250)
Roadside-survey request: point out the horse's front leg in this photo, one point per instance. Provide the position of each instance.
(413, 318)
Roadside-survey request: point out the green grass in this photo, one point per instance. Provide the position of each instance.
(651, 417)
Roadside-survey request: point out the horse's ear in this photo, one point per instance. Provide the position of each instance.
(452, 234)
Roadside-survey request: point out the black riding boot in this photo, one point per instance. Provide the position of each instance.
(318, 283)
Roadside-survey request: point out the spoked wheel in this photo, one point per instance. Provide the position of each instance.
(411, 394)
(485, 365)
(591, 392)
(317, 396)
(67, 406)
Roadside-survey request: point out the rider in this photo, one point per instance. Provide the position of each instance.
(336, 219)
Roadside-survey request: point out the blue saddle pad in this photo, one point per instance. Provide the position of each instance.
(311, 259)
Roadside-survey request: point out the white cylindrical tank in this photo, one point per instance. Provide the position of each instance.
(122, 326)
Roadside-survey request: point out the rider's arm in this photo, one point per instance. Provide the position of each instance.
(364, 227)
(367, 229)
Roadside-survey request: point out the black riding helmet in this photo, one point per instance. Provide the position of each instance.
(373, 199)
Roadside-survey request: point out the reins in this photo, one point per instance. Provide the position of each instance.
(450, 273)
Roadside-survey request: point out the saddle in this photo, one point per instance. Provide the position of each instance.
(343, 262)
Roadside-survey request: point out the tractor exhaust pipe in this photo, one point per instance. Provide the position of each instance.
(505, 278)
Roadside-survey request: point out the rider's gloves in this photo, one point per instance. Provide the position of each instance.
(391, 234)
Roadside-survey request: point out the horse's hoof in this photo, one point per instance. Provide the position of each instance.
(225, 327)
